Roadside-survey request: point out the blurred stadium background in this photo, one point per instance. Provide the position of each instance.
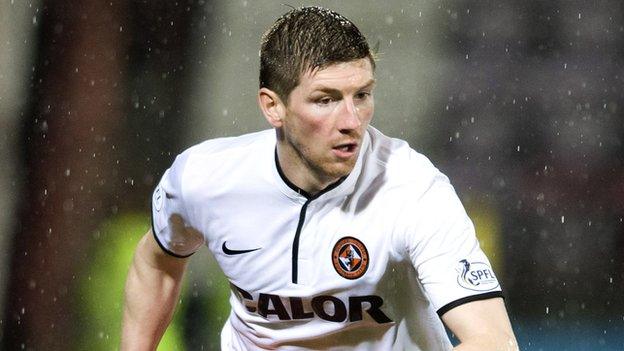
(519, 102)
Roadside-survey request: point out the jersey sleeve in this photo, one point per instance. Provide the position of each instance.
(171, 224)
(445, 252)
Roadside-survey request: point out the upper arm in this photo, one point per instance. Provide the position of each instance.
(152, 287)
(481, 325)
(150, 254)
(455, 273)
(444, 250)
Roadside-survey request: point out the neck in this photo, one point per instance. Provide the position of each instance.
(299, 173)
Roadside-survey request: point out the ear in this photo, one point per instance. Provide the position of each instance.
(272, 107)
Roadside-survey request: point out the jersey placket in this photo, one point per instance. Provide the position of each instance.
(295, 258)
(301, 275)
(296, 241)
(305, 211)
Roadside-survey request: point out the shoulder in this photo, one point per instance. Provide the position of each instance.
(404, 168)
(414, 194)
(231, 145)
(216, 161)
(222, 151)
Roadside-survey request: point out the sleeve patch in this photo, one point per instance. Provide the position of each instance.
(157, 199)
(476, 276)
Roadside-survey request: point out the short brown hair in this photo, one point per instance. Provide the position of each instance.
(307, 38)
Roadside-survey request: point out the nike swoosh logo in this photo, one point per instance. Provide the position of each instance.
(228, 251)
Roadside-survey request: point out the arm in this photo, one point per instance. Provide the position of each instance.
(152, 289)
(481, 325)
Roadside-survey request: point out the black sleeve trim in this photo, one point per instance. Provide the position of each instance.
(167, 251)
(485, 296)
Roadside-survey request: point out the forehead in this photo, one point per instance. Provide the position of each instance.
(356, 73)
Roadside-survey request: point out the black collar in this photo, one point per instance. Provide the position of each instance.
(298, 189)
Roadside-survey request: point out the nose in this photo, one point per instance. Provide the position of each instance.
(349, 119)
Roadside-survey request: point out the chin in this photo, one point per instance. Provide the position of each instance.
(339, 170)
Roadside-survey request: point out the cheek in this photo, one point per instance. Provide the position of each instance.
(306, 131)
(313, 124)
(366, 112)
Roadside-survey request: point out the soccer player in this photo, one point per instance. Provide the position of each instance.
(332, 235)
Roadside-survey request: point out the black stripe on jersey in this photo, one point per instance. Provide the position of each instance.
(484, 296)
(302, 214)
(167, 251)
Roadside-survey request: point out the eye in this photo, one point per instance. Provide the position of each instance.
(362, 95)
(325, 100)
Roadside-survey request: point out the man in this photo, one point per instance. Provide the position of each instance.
(331, 234)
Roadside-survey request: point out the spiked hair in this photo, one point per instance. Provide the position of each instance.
(306, 39)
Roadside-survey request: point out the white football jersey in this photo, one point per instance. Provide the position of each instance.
(369, 263)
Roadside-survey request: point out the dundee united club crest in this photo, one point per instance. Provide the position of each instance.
(350, 258)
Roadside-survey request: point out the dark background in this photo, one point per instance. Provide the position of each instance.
(518, 102)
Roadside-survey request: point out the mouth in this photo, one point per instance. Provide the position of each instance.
(345, 150)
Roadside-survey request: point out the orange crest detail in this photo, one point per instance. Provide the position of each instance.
(350, 258)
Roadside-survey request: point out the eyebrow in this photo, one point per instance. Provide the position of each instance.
(326, 89)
